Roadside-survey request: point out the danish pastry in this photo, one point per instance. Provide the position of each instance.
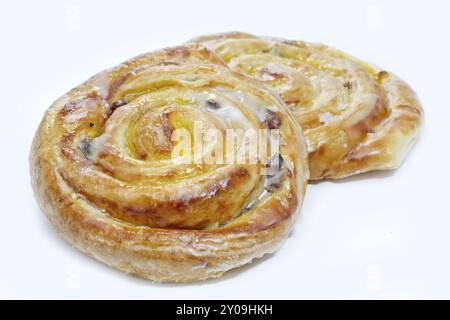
(104, 172)
(355, 117)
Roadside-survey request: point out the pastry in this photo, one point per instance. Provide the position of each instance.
(105, 175)
(355, 117)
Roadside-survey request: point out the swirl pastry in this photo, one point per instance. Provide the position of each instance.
(104, 173)
(355, 117)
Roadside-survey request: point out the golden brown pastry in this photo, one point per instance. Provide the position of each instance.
(355, 117)
(104, 173)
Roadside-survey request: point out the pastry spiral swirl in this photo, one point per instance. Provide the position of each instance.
(103, 169)
(355, 117)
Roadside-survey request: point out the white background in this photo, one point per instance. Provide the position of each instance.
(384, 235)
